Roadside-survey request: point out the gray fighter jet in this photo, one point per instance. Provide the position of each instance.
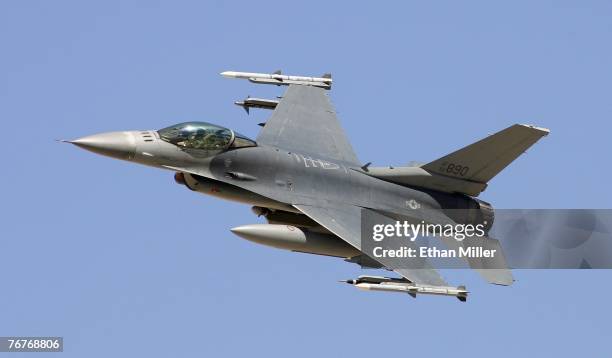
(303, 176)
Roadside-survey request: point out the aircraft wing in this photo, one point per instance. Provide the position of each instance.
(305, 121)
(344, 220)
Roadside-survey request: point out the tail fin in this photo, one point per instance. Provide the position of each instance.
(469, 169)
(481, 161)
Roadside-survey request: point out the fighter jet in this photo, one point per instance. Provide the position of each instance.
(303, 176)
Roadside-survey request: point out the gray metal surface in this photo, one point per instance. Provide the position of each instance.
(345, 222)
(481, 161)
(305, 121)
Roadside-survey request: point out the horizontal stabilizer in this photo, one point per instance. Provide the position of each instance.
(495, 269)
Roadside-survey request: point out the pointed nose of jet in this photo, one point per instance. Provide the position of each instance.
(120, 145)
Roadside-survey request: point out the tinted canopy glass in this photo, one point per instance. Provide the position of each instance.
(197, 135)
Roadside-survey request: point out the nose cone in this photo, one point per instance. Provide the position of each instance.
(120, 145)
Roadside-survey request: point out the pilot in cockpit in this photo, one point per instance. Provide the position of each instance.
(204, 136)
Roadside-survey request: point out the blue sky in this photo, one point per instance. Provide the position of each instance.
(120, 260)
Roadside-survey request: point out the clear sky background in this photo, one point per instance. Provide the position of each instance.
(121, 261)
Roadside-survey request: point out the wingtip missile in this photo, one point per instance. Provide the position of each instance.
(276, 78)
(229, 74)
(389, 284)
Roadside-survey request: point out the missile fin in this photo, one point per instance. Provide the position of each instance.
(462, 296)
(365, 166)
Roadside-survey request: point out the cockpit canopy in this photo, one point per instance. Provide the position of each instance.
(204, 136)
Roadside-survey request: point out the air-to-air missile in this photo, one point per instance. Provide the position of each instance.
(389, 284)
(279, 79)
(251, 102)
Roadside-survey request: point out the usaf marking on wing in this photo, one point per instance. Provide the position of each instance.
(314, 197)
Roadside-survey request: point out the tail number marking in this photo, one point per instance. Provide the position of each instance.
(455, 169)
